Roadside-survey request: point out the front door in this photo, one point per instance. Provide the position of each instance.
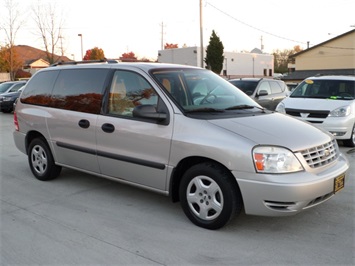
(129, 148)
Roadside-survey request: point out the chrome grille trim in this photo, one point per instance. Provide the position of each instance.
(321, 155)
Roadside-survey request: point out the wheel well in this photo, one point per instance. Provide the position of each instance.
(179, 171)
(31, 136)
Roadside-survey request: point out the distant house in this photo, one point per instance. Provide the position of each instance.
(34, 59)
(333, 57)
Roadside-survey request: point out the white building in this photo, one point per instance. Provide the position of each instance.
(253, 64)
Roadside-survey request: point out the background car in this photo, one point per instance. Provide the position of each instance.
(11, 86)
(291, 85)
(7, 100)
(266, 92)
(327, 102)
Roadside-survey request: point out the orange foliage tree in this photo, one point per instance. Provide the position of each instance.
(94, 54)
(170, 46)
(128, 57)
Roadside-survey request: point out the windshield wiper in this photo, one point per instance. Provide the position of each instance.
(242, 107)
(341, 97)
(205, 110)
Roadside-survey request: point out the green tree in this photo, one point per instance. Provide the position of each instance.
(94, 54)
(214, 54)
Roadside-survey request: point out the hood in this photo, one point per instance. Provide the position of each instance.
(275, 129)
(10, 94)
(314, 104)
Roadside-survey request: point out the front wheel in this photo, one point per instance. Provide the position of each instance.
(350, 142)
(209, 195)
(41, 161)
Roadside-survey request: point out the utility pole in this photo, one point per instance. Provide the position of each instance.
(201, 35)
(261, 44)
(162, 36)
(82, 51)
(61, 45)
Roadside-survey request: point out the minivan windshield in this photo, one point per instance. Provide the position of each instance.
(199, 90)
(325, 89)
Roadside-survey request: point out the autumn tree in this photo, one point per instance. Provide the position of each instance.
(4, 62)
(128, 57)
(10, 24)
(94, 54)
(281, 58)
(49, 28)
(9, 61)
(214, 54)
(170, 46)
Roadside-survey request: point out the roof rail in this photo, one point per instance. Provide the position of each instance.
(109, 61)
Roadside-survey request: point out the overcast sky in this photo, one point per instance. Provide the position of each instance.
(119, 26)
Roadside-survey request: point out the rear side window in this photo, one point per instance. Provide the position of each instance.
(275, 87)
(79, 90)
(38, 90)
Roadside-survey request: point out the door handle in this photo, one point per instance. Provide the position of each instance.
(108, 128)
(84, 123)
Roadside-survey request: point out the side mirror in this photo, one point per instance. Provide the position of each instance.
(263, 93)
(148, 111)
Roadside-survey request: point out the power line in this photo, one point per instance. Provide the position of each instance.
(272, 34)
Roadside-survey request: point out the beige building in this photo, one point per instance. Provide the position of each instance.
(333, 57)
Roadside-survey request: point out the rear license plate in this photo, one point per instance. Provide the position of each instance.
(339, 183)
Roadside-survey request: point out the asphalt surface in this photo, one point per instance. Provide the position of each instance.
(79, 219)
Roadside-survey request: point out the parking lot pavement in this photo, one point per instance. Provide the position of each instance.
(79, 219)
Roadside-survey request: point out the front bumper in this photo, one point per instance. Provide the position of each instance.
(6, 105)
(288, 194)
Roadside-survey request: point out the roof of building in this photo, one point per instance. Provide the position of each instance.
(325, 44)
(28, 54)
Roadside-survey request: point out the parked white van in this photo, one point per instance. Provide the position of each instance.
(178, 130)
(327, 102)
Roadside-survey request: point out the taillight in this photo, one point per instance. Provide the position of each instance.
(17, 128)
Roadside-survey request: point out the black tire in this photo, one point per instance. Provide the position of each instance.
(350, 142)
(41, 160)
(209, 195)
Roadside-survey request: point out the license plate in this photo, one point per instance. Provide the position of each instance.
(339, 183)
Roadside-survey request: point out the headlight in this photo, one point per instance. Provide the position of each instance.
(281, 108)
(7, 99)
(275, 160)
(340, 112)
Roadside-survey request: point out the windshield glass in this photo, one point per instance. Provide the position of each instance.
(5, 86)
(199, 90)
(325, 89)
(246, 86)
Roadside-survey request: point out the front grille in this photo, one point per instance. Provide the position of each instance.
(321, 155)
(307, 113)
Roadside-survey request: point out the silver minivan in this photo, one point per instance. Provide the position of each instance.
(178, 130)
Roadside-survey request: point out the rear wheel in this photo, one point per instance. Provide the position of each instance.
(41, 161)
(350, 142)
(209, 195)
